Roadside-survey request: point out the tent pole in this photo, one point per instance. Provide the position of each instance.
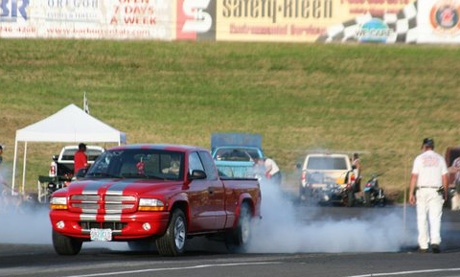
(14, 165)
(24, 169)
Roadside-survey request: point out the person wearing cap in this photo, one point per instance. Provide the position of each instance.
(429, 175)
(80, 158)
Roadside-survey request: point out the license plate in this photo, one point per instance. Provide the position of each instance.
(101, 234)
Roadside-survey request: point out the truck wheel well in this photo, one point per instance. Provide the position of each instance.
(250, 204)
(183, 206)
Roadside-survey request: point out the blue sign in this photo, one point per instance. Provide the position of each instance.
(9, 10)
(375, 30)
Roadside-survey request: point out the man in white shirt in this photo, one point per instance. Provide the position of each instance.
(430, 175)
(272, 171)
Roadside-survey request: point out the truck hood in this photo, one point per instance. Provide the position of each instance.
(122, 187)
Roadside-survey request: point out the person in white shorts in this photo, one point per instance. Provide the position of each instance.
(429, 174)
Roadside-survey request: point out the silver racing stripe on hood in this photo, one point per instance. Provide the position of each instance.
(118, 188)
(92, 188)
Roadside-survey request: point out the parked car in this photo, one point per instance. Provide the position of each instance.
(153, 193)
(327, 178)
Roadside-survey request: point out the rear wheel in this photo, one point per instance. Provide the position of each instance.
(172, 243)
(239, 238)
(64, 245)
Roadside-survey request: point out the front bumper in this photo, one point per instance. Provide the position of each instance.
(124, 226)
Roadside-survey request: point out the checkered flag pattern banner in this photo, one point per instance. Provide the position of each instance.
(402, 24)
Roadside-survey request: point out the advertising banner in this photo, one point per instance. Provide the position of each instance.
(88, 19)
(439, 21)
(376, 21)
(400, 27)
(196, 20)
(295, 20)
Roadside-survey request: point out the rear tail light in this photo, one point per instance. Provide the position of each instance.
(304, 177)
(53, 169)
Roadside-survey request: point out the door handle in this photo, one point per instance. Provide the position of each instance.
(211, 190)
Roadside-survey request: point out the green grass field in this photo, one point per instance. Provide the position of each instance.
(381, 100)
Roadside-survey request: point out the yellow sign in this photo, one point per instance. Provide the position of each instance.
(292, 20)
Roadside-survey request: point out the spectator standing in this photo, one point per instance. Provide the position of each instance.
(456, 168)
(429, 173)
(80, 158)
(356, 163)
(272, 171)
(1, 157)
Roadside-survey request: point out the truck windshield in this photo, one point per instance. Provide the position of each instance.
(237, 154)
(139, 164)
(327, 163)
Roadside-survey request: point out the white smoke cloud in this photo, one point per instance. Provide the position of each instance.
(24, 225)
(284, 230)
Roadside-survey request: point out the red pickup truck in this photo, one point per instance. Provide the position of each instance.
(153, 193)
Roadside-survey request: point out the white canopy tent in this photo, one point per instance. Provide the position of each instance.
(69, 125)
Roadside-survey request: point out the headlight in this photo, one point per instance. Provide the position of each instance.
(151, 205)
(58, 203)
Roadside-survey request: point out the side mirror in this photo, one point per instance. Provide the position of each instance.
(299, 166)
(55, 158)
(81, 173)
(197, 174)
(353, 167)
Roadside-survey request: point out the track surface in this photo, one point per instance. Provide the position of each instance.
(99, 260)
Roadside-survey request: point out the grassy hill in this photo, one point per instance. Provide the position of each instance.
(379, 100)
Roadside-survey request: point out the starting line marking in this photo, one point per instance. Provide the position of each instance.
(171, 269)
(408, 272)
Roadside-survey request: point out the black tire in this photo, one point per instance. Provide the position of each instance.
(64, 245)
(143, 245)
(238, 239)
(367, 199)
(177, 228)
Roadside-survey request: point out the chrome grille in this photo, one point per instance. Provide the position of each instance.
(119, 198)
(86, 206)
(85, 197)
(113, 204)
(118, 206)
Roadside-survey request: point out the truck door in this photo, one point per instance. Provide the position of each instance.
(199, 191)
(216, 191)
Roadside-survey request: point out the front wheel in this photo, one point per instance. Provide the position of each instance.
(172, 243)
(64, 245)
(239, 238)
